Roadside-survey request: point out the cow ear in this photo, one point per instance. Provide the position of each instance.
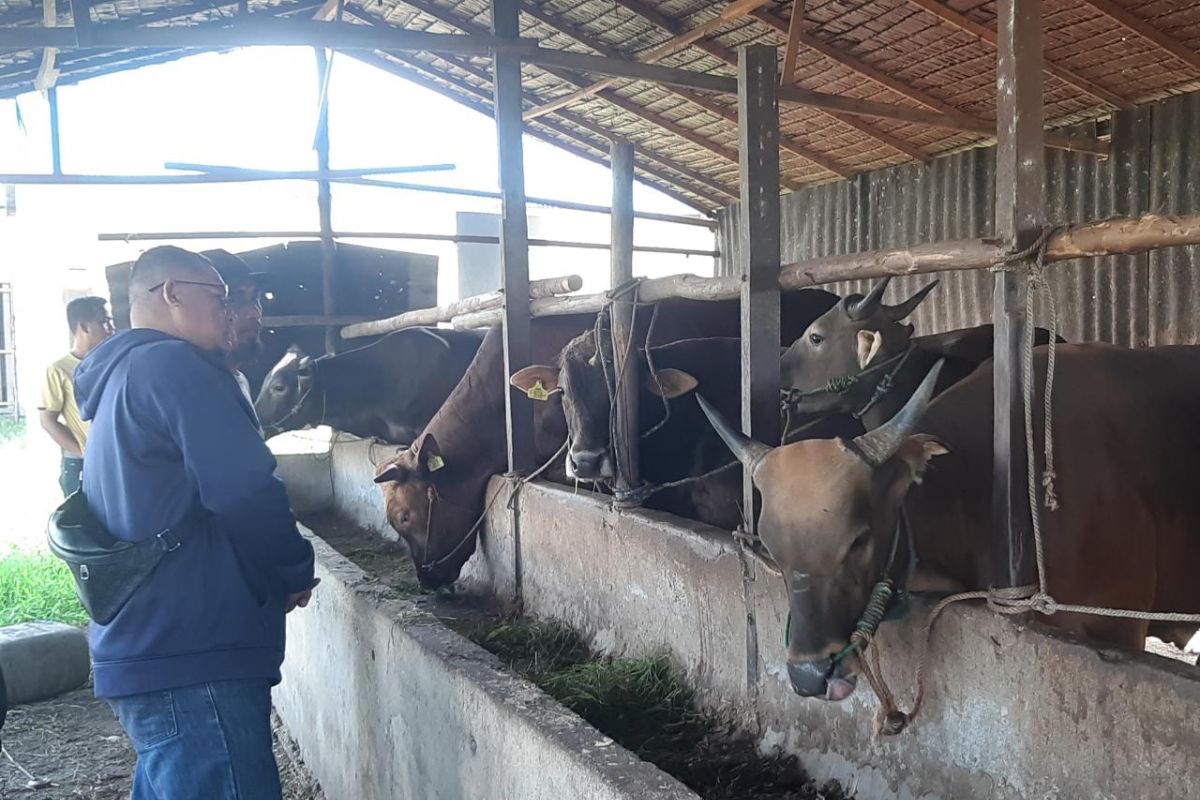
(429, 455)
(670, 383)
(868, 344)
(388, 472)
(538, 381)
(917, 451)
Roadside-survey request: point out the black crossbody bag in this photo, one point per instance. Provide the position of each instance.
(108, 570)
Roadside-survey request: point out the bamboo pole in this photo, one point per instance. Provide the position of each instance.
(546, 287)
(1112, 237)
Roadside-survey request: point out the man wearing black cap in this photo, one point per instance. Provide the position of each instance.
(245, 306)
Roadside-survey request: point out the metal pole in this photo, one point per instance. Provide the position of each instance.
(758, 130)
(1020, 215)
(325, 203)
(55, 141)
(514, 233)
(625, 352)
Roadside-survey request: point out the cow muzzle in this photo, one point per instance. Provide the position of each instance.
(822, 678)
(589, 465)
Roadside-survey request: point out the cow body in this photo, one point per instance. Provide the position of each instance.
(1127, 447)
(388, 390)
(435, 491)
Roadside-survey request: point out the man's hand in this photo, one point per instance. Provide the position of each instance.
(300, 599)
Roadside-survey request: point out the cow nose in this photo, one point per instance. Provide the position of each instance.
(809, 678)
(588, 463)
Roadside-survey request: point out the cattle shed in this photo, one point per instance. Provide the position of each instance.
(827, 143)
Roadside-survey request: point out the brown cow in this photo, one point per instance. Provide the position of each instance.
(1127, 445)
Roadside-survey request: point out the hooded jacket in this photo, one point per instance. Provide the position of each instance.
(173, 438)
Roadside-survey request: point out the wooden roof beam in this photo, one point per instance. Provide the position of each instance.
(426, 76)
(985, 34)
(723, 53)
(856, 65)
(713, 107)
(791, 49)
(735, 10)
(1147, 31)
(469, 27)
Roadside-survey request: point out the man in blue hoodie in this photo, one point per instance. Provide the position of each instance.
(188, 663)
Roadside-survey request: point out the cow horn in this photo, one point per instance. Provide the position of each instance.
(879, 445)
(867, 306)
(748, 451)
(901, 310)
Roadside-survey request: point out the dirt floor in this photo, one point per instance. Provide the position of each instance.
(75, 749)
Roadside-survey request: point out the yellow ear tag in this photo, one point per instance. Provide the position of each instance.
(538, 392)
(435, 463)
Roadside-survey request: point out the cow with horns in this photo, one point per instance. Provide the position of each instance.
(841, 516)
(860, 358)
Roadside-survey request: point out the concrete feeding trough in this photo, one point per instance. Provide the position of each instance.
(1011, 711)
(385, 701)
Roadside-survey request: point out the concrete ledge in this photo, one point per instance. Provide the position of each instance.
(1011, 711)
(385, 702)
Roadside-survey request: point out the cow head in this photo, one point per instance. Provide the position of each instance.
(586, 403)
(829, 519)
(280, 405)
(852, 335)
(410, 488)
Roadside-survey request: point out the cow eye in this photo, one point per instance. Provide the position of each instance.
(816, 338)
(861, 541)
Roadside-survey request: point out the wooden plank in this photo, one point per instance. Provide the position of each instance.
(545, 287)
(985, 34)
(735, 10)
(1020, 215)
(1147, 31)
(262, 32)
(758, 110)
(954, 121)
(627, 435)
(514, 235)
(621, 68)
(791, 49)
(325, 202)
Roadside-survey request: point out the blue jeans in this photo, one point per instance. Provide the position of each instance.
(206, 742)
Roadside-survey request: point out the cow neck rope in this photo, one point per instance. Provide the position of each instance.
(427, 564)
(842, 384)
(1014, 600)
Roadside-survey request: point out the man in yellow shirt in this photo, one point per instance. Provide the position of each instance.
(90, 325)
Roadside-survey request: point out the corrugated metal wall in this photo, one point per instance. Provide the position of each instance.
(1131, 300)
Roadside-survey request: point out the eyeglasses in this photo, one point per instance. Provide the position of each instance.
(223, 297)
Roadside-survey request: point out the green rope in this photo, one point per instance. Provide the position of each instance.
(868, 623)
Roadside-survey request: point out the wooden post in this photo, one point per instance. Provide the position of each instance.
(325, 204)
(514, 233)
(625, 351)
(55, 140)
(758, 150)
(1020, 215)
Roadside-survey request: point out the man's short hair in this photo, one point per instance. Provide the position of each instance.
(163, 263)
(86, 309)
